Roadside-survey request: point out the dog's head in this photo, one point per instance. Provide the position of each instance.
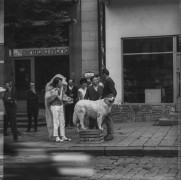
(109, 100)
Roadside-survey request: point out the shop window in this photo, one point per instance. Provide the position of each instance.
(148, 70)
(179, 43)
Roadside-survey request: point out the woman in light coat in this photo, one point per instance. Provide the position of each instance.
(48, 97)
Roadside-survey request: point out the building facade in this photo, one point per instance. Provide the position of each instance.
(142, 50)
(72, 59)
(1, 43)
(137, 41)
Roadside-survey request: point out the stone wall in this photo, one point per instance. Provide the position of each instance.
(140, 112)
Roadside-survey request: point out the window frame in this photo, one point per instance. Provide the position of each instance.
(174, 53)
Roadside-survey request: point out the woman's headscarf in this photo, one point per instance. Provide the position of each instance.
(49, 85)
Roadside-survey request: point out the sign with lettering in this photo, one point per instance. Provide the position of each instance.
(53, 51)
(89, 74)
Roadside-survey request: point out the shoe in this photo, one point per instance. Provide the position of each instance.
(65, 139)
(28, 130)
(35, 130)
(108, 138)
(58, 139)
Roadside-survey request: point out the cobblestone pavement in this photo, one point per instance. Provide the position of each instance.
(134, 168)
(126, 168)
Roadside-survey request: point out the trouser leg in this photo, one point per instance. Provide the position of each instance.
(5, 124)
(13, 124)
(56, 122)
(29, 118)
(109, 123)
(66, 115)
(71, 115)
(35, 116)
(62, 121)
(92, 123)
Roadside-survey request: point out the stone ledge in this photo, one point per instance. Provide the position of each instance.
(119, 151)
(95, 150)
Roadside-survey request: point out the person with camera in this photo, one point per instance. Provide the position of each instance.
(56, 101)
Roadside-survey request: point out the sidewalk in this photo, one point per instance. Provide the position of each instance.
(131, 139)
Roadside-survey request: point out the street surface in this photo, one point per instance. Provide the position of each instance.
(123, 168)
(139, 134)
(128, 136)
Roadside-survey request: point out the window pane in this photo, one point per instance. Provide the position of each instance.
(143, 72)
(148, 45)
(179, 43)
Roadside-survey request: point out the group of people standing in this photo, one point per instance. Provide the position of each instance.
(61, 97)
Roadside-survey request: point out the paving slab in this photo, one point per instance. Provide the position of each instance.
(132, 138)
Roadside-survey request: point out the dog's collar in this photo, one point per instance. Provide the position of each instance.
(107, 103)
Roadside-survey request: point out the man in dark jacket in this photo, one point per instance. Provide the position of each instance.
(109, 88)
(72, 92)
(94, 92)
(32, 107)
(10, 108)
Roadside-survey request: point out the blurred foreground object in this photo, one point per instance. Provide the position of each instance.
(32, 162)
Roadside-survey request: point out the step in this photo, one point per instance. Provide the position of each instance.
(166, 122)
(170, 121)
(26, 118)
(41, 112)
(24, 125)
(22, 120)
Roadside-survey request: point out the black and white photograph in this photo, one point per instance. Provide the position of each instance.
(90, 89)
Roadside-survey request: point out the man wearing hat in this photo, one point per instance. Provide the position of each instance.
(109, 89)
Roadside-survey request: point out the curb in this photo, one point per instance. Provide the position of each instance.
(120, 151)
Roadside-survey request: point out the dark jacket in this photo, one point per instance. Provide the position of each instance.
(109, 88)
(9, 98)
(32, 99)
(92, 94)
(74, 92)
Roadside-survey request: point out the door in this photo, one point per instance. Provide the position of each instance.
(178, 79)
(22, 77)
(45, 68)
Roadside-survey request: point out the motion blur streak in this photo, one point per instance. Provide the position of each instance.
(31, 161)
(71, 157)
(76, 171)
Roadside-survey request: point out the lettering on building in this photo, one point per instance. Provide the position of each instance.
(54, 51)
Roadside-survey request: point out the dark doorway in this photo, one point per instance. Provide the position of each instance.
(48, 66)
(22, 77)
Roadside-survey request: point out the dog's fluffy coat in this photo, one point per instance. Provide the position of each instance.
(96, 109)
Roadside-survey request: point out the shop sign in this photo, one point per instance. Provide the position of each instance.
(89, 74)
(54, 51)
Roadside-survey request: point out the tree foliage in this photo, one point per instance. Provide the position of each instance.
(33, 23)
